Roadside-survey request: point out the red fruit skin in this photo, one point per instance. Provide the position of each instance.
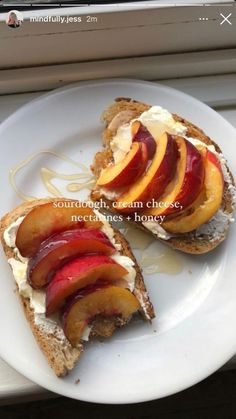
(45, 220)
(193, 179)
(213, 159)
(163, 176)
(77, 295)
(65, 246)
(144, 136)
(143, 161)
(79, 273)
(165, 172)
(131, 171)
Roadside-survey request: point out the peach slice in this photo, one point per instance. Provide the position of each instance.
(50, 218)
(141, 134)
(100, 300)
(214, 188)
(152, 183)
(187, 183)
(79, 273)
(126, 171)
(58, 249)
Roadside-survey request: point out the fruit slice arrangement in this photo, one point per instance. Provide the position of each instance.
(104, 299)
(180, 183)
(73, 263)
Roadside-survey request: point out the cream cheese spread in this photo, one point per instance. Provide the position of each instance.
(111, 195)
(216, 227)
(37, 298)
(128, 264)
(157, 229)
(143, 301)
(156, 119)
(9, 234)
(121, 143)
(107, 229)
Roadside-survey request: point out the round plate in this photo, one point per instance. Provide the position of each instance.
(194, 331)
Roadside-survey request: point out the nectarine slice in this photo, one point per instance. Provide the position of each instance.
(187, 183)
(127, 170)
(214, 188)
(47, 219)
(101, 300)
(141, 134)
(79, 273)
(153, 182)
(60, 248)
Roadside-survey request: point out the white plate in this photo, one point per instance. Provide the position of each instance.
(194, 333)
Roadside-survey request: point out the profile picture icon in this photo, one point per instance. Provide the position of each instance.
(14, 19)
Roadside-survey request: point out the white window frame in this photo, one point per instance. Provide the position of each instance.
(155, 42)
(121, 31)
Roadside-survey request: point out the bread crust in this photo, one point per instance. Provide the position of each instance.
(188, 242)
(61, 356)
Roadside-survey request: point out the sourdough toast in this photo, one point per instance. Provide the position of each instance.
(122, 111)
(61, 355)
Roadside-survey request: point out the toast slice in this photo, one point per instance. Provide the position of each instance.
(121, 112)
(61, 355)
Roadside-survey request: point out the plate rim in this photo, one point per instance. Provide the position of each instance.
(71, 86)
(106, 80)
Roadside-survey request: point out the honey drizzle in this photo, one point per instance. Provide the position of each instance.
(153, 260)
(167, 261)
(138, 239)
(47, 175)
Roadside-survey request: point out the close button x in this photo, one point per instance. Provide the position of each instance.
(226, 19)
